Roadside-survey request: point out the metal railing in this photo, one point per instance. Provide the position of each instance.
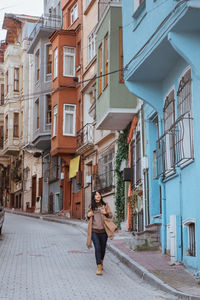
(85, 135)
(46, 21)
(175, 147)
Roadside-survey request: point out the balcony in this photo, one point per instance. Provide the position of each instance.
(48, 22)
(175, 147)
(85, 139)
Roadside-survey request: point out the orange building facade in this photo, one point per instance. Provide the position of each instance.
(66, 105)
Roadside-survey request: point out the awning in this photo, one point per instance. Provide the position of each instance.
(74, 166)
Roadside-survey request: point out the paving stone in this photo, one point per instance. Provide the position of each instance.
(42, 260)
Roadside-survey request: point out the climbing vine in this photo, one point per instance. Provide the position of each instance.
(122, 154)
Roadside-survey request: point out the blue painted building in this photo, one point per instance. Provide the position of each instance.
(162, 67)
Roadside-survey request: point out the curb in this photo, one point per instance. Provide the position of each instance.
(143, 273)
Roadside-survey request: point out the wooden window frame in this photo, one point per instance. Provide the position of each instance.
(55, 120)
(69, 54)
(16, 79)
(55, 67)
(48, 110)
(106, 60)
(49, 59)
(38, 65)
(74, 13)
(37, 114)
(16, 125)
(69, 112)
(100, 70)
(6, 127)
(2, 94)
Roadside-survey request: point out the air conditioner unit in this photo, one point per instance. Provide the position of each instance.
(88, 179)
(127, 174)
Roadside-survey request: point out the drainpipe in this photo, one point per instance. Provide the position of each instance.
(163, 196)
(180, 239)
(164, 221)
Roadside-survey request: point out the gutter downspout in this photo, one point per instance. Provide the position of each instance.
(180, 230)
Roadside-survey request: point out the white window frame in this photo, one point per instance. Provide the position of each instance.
(74, 13)
(74, 119)
(73, 55)
(91, 46)
(55, 57)
(55, 120)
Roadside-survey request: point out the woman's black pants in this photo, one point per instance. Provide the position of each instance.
(99, 240)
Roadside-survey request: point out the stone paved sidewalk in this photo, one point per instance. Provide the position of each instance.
(152, 266)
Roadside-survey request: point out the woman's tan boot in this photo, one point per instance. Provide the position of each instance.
(99, 270)
(102, 264)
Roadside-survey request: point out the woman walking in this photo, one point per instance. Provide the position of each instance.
(100, 227)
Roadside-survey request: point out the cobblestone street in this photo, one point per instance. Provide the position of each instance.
(45, 260)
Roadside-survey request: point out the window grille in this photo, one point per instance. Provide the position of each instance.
(185, 94)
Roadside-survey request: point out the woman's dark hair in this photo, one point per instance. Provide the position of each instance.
(93, 202)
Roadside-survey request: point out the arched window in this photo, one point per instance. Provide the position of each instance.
(185, 94)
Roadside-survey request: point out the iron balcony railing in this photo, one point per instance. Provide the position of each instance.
(175, 147)
(102, 4)
(85, 135)
(46, 21)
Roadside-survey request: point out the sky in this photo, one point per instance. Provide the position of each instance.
(27, 7)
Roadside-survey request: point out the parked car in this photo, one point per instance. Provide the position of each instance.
(2, 212)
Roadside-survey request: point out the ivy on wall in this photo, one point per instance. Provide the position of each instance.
(120, 197)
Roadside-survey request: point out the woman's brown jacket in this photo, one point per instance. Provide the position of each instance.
(109, 226)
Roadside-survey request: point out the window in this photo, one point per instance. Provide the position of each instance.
(49, 59)
(7, 84)
(121, 57)
(106, 170)
(69, 119)
(106, 60)
(2, 94)
(37, 65)
(37, 114)
(136, 160)
(22, 121)
(16, 125)
(48, 109)
(192, 242)
(185, 94)
(16, 79)
(91, 46)
(55, 116)
(100, 69)
(55, 73)
(68, 61)
(6, 127)
(74, 13)
(1, 137)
